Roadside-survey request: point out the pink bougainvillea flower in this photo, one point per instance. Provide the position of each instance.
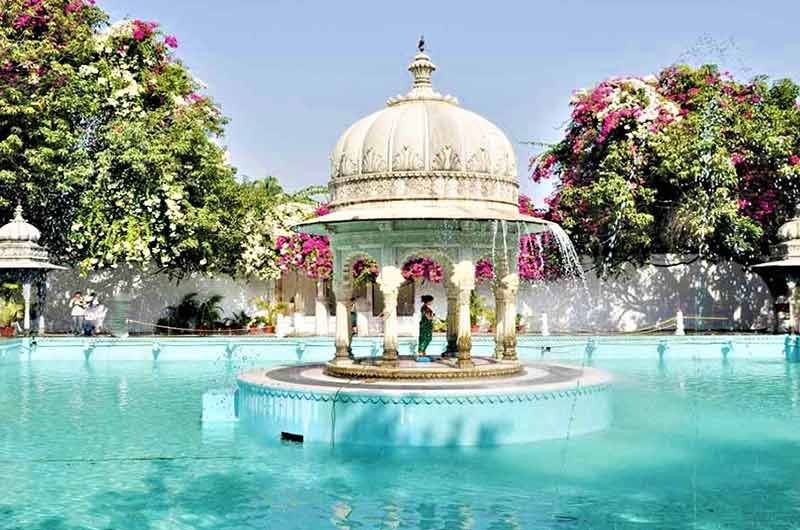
(142, 29)
(171, 41)
(22, 21)
(794, 160)
(736, 159)
(484, 270)
(322, 209)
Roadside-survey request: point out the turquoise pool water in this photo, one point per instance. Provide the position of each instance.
(700, 443)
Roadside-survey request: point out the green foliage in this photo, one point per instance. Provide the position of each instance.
(108, 144)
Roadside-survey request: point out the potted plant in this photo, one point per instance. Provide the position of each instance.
(476, 308)
(182, 317)
(240, 322)
(490, 315)
(209, 314)
(10, 312)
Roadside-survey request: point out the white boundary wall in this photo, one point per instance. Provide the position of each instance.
(637, 298)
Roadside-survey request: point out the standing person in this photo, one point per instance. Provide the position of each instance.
(77, 311)
(353, 317)
(90, 315)
(93, 316)
(426, 324)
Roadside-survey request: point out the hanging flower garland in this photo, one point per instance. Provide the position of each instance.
(484, 270)
(365, 270)
(424, 269)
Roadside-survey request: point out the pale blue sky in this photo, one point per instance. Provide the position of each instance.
(292, 75)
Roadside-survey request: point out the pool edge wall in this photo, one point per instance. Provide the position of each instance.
(418, 420)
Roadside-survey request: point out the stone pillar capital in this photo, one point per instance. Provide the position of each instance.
(390, 279)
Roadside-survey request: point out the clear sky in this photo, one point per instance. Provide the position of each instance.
(292, 75)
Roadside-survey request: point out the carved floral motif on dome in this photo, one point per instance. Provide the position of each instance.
(446, 159)
(406, 159)
(480, 161)
(372, 162)
(504, 166)
(346, 166)
(423, 185)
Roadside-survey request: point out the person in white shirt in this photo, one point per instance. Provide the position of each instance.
(78, 311)
(95, 316)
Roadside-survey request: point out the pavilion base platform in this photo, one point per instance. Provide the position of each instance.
(538, 402)
(407, 368)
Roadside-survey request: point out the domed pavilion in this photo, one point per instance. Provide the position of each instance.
(22, 259)
(782, 272)
(425, 178)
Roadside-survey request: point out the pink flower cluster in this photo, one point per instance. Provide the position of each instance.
(423, 268)
(76, 5)
(322, 209)
(307, 253)
(171, 41)
(142, 30)
(33, 17)
(542, 167)
(484, 270)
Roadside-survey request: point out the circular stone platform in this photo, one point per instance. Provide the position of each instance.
(408, 368)
(542, 401)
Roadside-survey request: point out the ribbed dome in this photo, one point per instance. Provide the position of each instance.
(790, 229)
(19, 229)
(423, 146)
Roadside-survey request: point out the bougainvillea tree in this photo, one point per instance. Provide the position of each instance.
(690, 161)
(109, 143)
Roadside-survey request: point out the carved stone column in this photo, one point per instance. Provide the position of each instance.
(26, 296)
(321, 310)
(342, 339)
(499, 321)
(500, 311)
(41, 293)
(464, 280)
(510, 287)
(452, 318)
(389, 280)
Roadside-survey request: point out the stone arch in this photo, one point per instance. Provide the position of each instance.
(442, 256)
(346, 282)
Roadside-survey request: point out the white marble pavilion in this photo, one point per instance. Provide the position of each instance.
(425, 178)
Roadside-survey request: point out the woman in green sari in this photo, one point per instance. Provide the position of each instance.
(426, 324)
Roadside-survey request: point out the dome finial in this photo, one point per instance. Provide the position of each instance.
(422, 68)
(18, 214)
